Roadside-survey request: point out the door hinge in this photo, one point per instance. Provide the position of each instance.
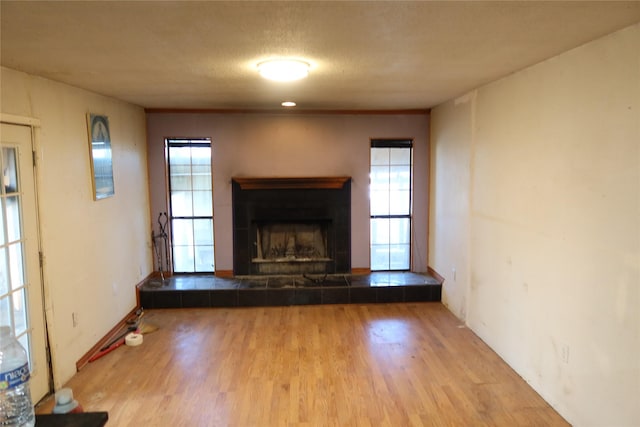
(41, 259)
(34, 158)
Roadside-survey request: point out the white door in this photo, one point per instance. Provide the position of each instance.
(21, 299)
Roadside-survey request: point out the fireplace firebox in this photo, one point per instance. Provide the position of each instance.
(291, 225)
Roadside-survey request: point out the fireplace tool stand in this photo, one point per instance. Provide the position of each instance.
(163, 219)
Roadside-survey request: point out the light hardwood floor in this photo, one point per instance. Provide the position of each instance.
(331, 365)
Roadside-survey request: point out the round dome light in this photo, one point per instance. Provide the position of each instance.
(283, 70)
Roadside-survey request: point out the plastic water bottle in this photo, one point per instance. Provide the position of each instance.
(16, 408)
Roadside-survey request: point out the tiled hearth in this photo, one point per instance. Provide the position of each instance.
(246, 291)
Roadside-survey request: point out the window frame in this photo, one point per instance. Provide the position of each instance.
(392, 143)
(188, 142)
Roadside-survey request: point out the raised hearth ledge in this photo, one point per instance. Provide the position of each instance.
(279, 183)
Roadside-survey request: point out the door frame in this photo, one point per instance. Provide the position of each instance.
(35, 126)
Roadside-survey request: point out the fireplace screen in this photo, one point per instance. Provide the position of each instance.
(287, 242)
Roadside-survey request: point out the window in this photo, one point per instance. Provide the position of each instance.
(191, 205)
(390, 204)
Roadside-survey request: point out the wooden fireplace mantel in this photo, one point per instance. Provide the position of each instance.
(280, 183)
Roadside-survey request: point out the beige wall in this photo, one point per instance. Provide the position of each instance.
(95, 251)
(449, 229)
(536, 182)
(268, 145)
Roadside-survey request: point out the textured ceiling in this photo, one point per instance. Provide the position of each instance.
(365, 55)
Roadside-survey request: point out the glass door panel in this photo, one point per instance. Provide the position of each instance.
(21, 297)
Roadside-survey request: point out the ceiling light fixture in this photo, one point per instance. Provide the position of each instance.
(288, 104)
(284, 70)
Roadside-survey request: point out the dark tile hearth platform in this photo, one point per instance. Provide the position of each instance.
(186, 291)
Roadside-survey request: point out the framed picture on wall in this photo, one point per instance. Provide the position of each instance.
(100, 155)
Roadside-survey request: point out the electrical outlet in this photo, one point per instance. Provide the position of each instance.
(74, 319)
(453, 272)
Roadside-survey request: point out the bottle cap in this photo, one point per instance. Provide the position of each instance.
(64, 401)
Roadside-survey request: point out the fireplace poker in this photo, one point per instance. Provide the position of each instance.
(158, 257)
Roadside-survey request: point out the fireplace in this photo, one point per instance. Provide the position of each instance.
(291, 225)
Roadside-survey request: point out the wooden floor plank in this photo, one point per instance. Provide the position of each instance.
(344, 365)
